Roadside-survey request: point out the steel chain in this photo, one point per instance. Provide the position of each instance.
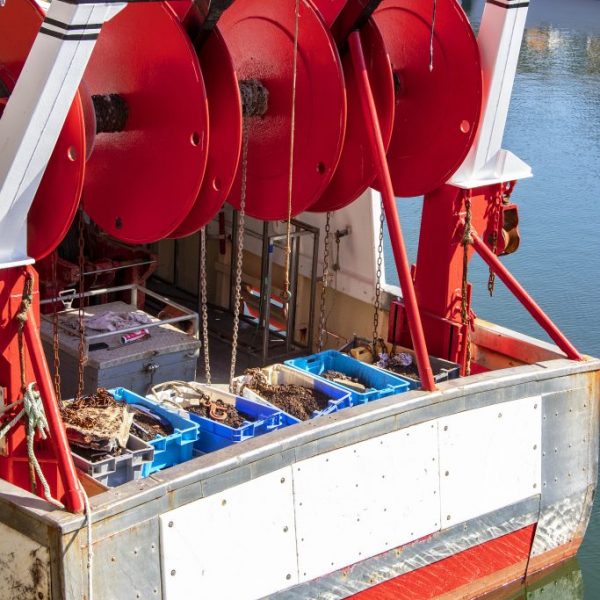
(325, 283)
(239, 254)
(464, 309)
(377, 302)
(204, 304)
(81, 308)
(55, 341)
(495, 225)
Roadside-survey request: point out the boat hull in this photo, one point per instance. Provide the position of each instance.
(504, 492)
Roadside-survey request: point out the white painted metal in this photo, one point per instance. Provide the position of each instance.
(499, 41)
(489, 458)
(367, 498)
(35, 114)
(238, 544)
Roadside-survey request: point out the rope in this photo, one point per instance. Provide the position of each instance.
(288, 249)
(31, 400)
(90, 548)
(464, 311)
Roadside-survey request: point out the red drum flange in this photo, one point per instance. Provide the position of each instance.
(260, 38)
(437, 111)
(142, 182)
(58, 195)
(356, 171)
(225, 123)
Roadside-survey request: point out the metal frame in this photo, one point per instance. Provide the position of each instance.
(268, 242)
(134, 288)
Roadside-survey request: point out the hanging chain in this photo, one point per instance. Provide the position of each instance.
(81, 308)
(204, 304)
(325, 283)
(377, 302)
(239, 254)
(432, 35)
(55, 341)
(495, 226)
(288, 243)
(464, 309)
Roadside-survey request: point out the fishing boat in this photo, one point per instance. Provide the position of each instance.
(452, 457)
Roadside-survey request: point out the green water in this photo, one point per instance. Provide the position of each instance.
(554, 125)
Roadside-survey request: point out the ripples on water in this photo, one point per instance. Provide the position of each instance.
(554, 125)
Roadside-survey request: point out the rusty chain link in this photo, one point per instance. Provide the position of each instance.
(494, 241)
(324, 284)
(81, 309)
(239, 254)
(55, 341)
(204, 304)
(377, 302)
(464, 309)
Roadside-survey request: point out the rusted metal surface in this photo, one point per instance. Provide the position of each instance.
(24, 567)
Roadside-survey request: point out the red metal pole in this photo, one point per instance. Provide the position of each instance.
(391, 213)
(73, 491)
(524, 298)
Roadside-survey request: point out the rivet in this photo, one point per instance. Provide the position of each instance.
(499, 415)
(356, 485)
(283, 478)
(285, 529)
(288, 576)
(113, 558)
(223, 502)
(534, 485)
(535, 406)
(138, 595)
(555, 479)
(170, 523)
(535, 446)
(173, 571)
(555, 450)
(135, 551)
(556, 414)
(153, 546)
(155, 590)
(385, 510)
(445, 427)
(447, 473)
(357, 520)
(448, 518)
(383, 477)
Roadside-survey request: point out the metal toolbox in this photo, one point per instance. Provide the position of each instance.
(166, 355)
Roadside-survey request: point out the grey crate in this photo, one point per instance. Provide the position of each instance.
(167, 355)
(117, 470)
(442, 369)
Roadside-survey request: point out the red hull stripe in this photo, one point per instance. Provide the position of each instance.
(505, 557)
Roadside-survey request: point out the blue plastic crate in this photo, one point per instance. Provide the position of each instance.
(173, 449)
(215, 435)
(380, 383)
(282, 374)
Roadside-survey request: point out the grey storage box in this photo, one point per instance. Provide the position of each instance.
(117, 470)
(168, 354)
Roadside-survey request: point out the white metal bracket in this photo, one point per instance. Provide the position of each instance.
(499, 40)
(37, 109)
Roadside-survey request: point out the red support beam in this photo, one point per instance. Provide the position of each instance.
(391, 212)
(524, 298)
(74, 500)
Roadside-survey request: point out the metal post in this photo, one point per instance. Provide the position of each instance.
(524, 298)
(391, 213)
